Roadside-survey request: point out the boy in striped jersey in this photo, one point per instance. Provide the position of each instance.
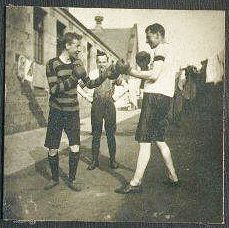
(63, 74)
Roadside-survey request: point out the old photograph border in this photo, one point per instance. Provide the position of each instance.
(179, 5)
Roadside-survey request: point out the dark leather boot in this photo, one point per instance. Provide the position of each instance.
(95, 161)
(129, 189)
(93, 165)
(113, 164)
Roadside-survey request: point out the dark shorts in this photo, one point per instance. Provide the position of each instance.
(59, 121)
(153, 121)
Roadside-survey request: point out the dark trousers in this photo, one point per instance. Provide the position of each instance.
(103, 110)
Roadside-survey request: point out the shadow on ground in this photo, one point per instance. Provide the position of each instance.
(196, 145)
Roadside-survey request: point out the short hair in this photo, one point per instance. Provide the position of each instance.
(68, 38)
(155, 28)
(101, 53)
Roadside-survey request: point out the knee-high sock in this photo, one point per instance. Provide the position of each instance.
(166, 154)
(54, 166)
(73, 164)
(143, 159)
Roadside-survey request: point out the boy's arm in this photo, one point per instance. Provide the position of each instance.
(151, 75)
(84, 94)
(112, 72)
(158, 63)
(120, 82)
(93, 83)
(81, 73)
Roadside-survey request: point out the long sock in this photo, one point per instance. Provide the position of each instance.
(54, 166)
(166, 154)
(73, 164)
(143, 159)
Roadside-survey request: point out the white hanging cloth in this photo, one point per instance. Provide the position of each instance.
(215, 68)
(25, 69)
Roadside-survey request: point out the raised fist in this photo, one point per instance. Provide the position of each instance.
(111, 72)
(143, 59)
(119, 68)
(122, 67)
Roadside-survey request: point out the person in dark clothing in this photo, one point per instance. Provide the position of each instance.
(103, 109)
(63, 74)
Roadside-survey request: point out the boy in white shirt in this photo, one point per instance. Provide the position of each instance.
(159, 89)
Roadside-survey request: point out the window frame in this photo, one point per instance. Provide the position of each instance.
(38, 31)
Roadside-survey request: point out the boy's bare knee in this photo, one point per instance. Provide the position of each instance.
(145, 145)
(53, 152)
(75, 148)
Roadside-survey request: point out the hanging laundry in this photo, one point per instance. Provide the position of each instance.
(215, 69)
(177, 104)
(181, 80)
(221, 59)
(25, 69)
(190, 90)
(190, 85)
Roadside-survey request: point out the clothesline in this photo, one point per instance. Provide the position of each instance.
(215, 67)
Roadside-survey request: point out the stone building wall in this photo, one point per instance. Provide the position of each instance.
(27, 110)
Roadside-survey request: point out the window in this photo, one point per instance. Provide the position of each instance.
(38, 26)
(60, 29)
(89, 49)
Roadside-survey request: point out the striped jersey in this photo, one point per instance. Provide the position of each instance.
(63, 80)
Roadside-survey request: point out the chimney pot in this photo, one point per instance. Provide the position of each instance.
(98, 19)
(98, 26)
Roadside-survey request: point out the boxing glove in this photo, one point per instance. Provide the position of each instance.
(122, 67)
(119, 68)
(143, 59)
(78, 69)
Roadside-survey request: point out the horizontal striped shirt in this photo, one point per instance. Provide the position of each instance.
(63, 80)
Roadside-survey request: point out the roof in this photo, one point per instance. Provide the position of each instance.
(89, 31)
(116, 39)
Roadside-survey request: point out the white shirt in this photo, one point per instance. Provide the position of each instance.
(93, 74)
(165, 83)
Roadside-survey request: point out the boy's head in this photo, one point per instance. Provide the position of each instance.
(101, 60)
(155, 33)
(71, 42)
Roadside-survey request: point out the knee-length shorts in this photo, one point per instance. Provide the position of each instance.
(153, 121)
(59, 121)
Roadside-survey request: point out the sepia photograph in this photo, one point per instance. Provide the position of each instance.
(114, 115)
